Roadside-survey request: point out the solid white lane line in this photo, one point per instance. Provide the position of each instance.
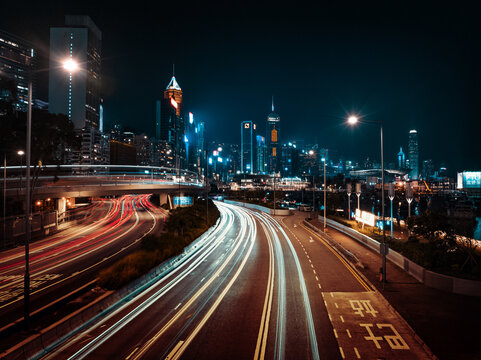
(266, 312)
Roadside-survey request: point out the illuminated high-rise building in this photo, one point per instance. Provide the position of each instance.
(17, 64)
(248, 147)
(413, 154)
(172, 130)
(261, 155)
(273, 141)
(77, 94)
(401, 159)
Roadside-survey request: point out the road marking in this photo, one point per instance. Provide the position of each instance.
(319, 286)
(174, 350)
(342, 352)
(177, 306)
(349, 333)
(337, 306)
(342, 319)
(264, 326)
(335, 333)
(218, 300)
(314, 271)
(132, 353)
(357, 353)
(317, 279)
(346, 264)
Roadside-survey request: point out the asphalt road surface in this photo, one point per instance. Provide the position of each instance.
(62, 263)
(257, 287)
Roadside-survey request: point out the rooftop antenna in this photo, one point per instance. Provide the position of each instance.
(272, 103)
(173, 70)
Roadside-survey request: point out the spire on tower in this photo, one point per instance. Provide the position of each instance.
(272, 103)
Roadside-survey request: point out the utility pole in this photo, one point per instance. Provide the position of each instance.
(349, 191)
(26, 286)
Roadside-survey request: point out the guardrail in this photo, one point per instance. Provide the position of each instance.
(40, 343)
(260, 208)
(427, 277)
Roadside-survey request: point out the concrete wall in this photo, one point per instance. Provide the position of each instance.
(429, 278)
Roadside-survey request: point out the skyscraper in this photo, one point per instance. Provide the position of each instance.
(17, 62)
(171, 134)
(413, 154)
(248, 143)
(261, 154)
(273, 138)
(401, 159)
(76, 95)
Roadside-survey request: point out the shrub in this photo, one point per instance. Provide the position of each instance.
(183, 226)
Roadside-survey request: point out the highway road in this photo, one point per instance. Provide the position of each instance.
(65, 261)
(256, 286)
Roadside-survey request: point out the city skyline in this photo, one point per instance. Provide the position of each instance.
(331, 73)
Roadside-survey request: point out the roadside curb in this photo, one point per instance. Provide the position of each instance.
(416, 337)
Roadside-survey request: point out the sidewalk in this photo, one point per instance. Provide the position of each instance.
(448, 323)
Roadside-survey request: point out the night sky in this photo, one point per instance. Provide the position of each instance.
(413, 66)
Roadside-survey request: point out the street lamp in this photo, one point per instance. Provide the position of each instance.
(353, 120)
(325, 189)
(71, 66)
(21, 153)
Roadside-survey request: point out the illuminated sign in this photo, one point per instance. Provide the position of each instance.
(254, 126)
(365, 217)
(274, 135)
(191, 117)
(274, 152)
(182, 200)
(215, 152)
(471, 179)
(246, 125)
(174, 103)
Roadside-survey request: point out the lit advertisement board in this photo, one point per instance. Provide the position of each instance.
(471, 179)
(182, 200)
(365, 217)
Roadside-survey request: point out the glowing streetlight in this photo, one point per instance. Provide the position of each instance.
(20, 152)
(384, 248)
(70, 65)
(352, 120)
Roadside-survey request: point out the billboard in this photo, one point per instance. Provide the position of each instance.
(365, 217)
(182, 200)
(469, 179)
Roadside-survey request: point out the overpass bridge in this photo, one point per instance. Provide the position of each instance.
(72, 181)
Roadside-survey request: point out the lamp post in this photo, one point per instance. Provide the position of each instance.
(325, 189)
(358, 194)
(4, 197)
(71, 66)
(353, 120)
(349, 191)
(409, 198)
(391, 197)
(21, 153)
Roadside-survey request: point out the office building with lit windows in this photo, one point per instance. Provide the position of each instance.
(17, 64)
(76, 94)
(413, 155)
(248, 146)
(171, 128)
(273, 141)
(261, 155)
